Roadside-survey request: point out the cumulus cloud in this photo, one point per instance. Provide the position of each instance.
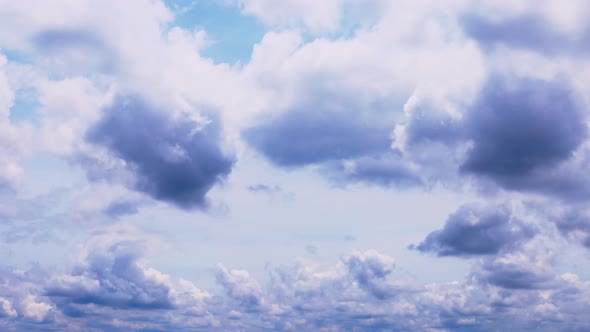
(476, 230)
(350, 145)
(111, 276)
(517, 126)
(521, 134)
(358, 292)
(239, 286)
(174, 160)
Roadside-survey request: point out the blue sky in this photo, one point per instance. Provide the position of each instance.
(295, 165)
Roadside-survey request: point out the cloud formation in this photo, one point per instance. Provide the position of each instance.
(174, 160)
(519, 125)
(359, 292)
(475, 230)
(481, 101)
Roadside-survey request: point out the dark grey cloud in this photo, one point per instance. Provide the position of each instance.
(527, 31)
(521, 125)
(173, 160)
(520, 134)
(301, 137)
(473, 230)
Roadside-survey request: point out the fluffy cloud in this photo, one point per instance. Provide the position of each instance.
(474, 230)
(522, 134)
(175, 160)
(518, 126)
(112, 277)
(15, 139)
(358, 293)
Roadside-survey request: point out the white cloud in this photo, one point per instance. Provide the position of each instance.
(317, 16)
(6, 308)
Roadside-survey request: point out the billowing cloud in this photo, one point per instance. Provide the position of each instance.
(475, 230)
(522, 134)
(360, 291)
(520, 125)
(112, 277)
(350, 145)
(174, 160)
(239, 286)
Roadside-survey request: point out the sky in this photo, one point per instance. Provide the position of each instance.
(294, 165)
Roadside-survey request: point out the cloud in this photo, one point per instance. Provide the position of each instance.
(304, 137)
(15, 139)
(520, 125)
(316, 16)
(521, 134)
(238, 285)
(574, 223)
(370, 270)
(359, 291)
(6, 309)
(475, 230)
(173, 160)
(74, 51)
(528, 31)
(350, 145)
(112, 277)
(117, 209)
(528, 267)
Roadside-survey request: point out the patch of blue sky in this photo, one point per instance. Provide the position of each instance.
(25, 106)
(354, 17)
(17, 56)
(232, 34)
